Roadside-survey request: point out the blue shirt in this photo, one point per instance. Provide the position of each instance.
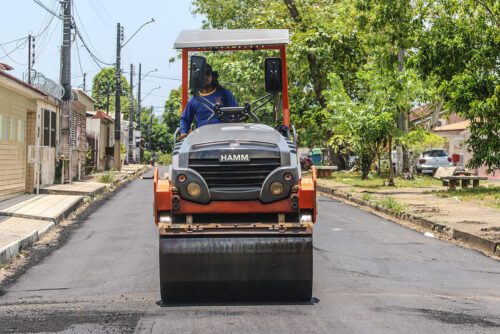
(195, 108)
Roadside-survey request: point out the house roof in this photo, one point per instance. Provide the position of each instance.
(453, 126)
(102, 115)
(23, 84)
(83, 93)
(5, 67)
(226, 37)
(420, 112)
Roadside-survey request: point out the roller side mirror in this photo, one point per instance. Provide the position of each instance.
(197, 73)
(272, 67)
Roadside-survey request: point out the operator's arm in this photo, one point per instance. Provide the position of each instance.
(187, 119)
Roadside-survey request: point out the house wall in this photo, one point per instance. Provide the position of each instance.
(30, 141)
(79, 144)
(482, 171)
(47, 153)
(13, 115)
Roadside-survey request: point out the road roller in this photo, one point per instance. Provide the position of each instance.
(235, 215)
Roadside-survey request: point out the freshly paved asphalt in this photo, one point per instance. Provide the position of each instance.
(371, 276)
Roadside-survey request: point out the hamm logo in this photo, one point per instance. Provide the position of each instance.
(234, 157)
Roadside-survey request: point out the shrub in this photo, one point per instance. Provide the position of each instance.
(146, 157)
(164, 159)
(106, 178)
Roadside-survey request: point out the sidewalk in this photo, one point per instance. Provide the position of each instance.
(472, 223)
(24, 219)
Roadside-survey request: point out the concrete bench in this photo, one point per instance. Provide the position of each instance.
(325, 171)
(455, 179)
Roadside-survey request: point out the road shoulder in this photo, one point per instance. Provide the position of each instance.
(28, 239)
(468, 224)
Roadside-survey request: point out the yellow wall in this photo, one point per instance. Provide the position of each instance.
(13, 115)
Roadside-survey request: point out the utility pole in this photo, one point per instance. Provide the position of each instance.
(119, 38)
(29, 59)
(139, 98)
(84, 81)
(119, 46)
(138, 117)
(131, 118)
(66, 83)
(150, 129)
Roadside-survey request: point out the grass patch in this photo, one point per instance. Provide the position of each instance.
(5, 266)
(366, 197)
(391, 204)
(489, 196)
(106, 178)
(376, 181)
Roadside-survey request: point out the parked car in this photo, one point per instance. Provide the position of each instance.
(430, 160)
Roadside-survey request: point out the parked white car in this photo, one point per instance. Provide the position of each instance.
(430, 160)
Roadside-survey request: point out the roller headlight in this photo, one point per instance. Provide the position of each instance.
(193, 189)
(181, 178)
(276, 188)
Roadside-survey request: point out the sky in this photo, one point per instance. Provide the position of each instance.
(96, 20)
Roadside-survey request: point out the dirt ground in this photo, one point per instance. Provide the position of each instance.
(471, 217)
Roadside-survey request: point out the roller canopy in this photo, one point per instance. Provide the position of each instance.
(226, 38)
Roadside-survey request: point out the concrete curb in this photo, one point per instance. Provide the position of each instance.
(63, 215)
(473, 241)
(74, 193)
(10, 251)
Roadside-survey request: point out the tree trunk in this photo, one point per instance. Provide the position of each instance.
(365, 165)
(391, 170)
(435, 115)
(400, 162)
(406, 152)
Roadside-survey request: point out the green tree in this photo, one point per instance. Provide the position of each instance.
(323, 41)
(155, 132)
(104, 85)
(173, 110)
(458, 50)
(367, 126)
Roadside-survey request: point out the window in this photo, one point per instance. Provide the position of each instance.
(3, 128)
(49, 128)
(12, 129)
(21, 130)
(435, 154)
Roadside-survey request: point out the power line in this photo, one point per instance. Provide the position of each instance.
(101, 18)
(92, 55)
(45, 39)
(164, 77)
(19, 46)
(8, 53)
(41, 4)
(78, 56)
(95, 56)
(105, 10)
(14, 40)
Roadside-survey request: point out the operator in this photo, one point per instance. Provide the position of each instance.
(214, 93)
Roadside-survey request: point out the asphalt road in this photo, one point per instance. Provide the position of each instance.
(371, 276)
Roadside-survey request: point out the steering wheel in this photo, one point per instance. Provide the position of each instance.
(233, 114)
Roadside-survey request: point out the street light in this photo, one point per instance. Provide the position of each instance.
(145, 75)
(152, 90)
(138, 29)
